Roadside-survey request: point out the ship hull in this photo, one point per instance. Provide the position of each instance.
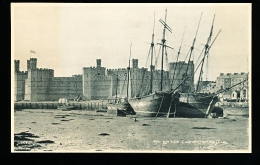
(196, 106)
(120, 109)
(153, 105)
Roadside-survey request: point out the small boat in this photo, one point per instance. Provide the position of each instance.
(119, 108)
(65, 107)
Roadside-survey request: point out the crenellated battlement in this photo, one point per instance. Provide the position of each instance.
(234, 74)
(44, 69)
(16, 65)
(93, 68)
(119, 69)
(66, 78)
(22, 72)
(32, 63)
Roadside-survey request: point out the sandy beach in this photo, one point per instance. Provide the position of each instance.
(39, 130)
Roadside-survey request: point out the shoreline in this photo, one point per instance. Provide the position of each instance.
(78, 131)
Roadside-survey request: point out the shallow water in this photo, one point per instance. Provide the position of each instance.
(85, 131)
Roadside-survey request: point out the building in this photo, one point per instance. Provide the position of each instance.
(238, 92)
(37, 84)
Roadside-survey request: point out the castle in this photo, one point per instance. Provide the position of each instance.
(37, 84)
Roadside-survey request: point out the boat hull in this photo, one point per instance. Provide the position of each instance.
(120, 109)
(192, 106)
(153, 105)
(65, 108)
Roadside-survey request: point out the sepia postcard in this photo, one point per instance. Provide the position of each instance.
(131, 78)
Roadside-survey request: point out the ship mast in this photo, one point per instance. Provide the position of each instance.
(205, 54)
(177, 58)
(151, 67)
(192, 47)
(191, 51)
(163, 44)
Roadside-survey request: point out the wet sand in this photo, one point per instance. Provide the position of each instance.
(86, 131)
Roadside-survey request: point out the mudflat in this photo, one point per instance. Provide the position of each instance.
(42, 130)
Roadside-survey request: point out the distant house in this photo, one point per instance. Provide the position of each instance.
(235, 95)
(238, 92)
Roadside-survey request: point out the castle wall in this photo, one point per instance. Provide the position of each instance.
(19, 81)
(120, 85)
(19, 85)
(180, 71)
(96, 83)
(37, 84)
(65, 87)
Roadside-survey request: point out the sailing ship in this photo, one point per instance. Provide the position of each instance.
(198, 105)
(119, 107)
(155, 103)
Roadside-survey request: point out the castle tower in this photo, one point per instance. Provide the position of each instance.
(32, 63)
(152, 67)
(16, 66)
(98, 63)
(135, 63)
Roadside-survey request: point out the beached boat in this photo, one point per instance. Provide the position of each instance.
(65, 107)
(191, 107)
(119, 107)
(155, 103)
(198, 104)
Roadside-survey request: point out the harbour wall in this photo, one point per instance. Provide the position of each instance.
(54, 105)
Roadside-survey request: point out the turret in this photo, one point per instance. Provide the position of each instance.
(152, 67)
(135, 63)
(32, 63)
(98, 63)
(16, 65)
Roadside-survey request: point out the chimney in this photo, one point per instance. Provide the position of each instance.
(235, 73)
(228, 74)
(221, 74)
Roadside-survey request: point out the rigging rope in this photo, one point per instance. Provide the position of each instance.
(156, 60)
(160, 106)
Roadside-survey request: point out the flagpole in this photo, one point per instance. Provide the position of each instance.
(30, 53)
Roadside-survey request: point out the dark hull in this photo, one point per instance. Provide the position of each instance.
(152, 105)
(196, 106)
(120, 109)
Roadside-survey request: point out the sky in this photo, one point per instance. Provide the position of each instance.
(68, 37)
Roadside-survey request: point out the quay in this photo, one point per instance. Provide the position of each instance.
(84, 105)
